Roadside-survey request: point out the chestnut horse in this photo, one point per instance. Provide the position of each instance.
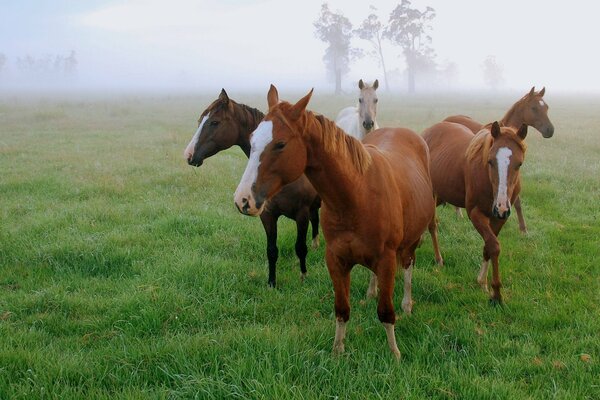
(359, 121)
(377, 197)
(530, 110)
(226, 123)
(479, 173)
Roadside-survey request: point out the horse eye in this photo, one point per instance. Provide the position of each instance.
(360, 100)
(376, 100)
(279, 146)
(490, 163)
(214, 123)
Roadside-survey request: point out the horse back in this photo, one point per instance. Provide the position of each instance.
(469, 122)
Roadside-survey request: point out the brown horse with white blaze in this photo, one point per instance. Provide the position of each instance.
(226, 123)
(530, 110)
(377, 197)
(479, 173)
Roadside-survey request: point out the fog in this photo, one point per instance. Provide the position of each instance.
(243, 45)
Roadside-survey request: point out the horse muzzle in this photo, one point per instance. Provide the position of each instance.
(368, 125)
(249, 205)
(548, 131)
(501, 213)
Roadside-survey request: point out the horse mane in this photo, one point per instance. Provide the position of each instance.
(482, 142)
(336, 141)
(248, 116)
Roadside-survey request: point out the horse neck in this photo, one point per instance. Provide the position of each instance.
(248, 119)
(331, 172)
(514, 116)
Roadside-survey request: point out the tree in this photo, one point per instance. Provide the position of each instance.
(336, 30)
(2, 61)
(408, 29)
(493, 72)
(372, 30)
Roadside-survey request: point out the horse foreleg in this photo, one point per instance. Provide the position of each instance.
(522, 226)
(301, 249)
(314, 221)
(459, 213)
(433, 231)
(386, 273)
(372, 290)
(491, 250)
(269, 222)
(340, 276)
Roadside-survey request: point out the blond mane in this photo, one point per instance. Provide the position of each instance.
(481, 143)
(335, 141)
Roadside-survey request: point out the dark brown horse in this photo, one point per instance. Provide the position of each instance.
(377, 197)
(226, 123)
(530, 110)
(479, 173)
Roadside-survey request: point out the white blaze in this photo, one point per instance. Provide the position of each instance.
(189, 150)
(261, 137)
(503, 158)
(542, 103)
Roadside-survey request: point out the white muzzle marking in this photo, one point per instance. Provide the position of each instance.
(188, 153)
(503, 158)
(261, 137)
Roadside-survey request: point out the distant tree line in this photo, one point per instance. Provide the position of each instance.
(50, 65)
(407, 28)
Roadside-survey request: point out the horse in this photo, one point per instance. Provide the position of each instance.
(377, 197)
(530, 110)
(359, 121)
(226, 123)
(480, 173)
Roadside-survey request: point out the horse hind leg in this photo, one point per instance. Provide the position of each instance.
(372, 290)
(433, 231)
(386, 271)
(301, 249)
(522, 225)
(340, 276)
(459, 212)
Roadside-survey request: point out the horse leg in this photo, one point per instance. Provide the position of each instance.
(522, 225)
(459, 213)
(340, 276)
(301, 249)
(372, 290)
(407, 262)
(491, 250)
(269, 222)
(314, 221)
(433, 231)
(386, 273)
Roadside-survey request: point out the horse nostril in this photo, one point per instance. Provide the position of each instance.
(245, 201)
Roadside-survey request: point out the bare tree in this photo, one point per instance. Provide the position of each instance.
(372, 30)
(336, 30)
(493, 72)
(408, 29)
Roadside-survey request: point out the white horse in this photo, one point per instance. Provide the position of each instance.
(358, 121)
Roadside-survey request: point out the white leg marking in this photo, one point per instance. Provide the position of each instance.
(482, 278)
(261, 137)
(189, 150)
(372, 290)
(391, 338)
(340, 334)
(503, 158)
(407, 299)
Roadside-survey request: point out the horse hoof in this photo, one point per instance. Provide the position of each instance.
(397, 355)
(271, 285)
(302, 277)
(524, 231)
(440, 262)
(315, 243)
(338, 349)
(495, 302)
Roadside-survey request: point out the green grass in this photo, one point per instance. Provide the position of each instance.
(126, 273)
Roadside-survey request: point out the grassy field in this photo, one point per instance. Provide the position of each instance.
(125, 273)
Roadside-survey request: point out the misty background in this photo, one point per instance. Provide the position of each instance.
(244, 45)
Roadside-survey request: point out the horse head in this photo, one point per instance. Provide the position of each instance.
(504, 159)
(535, 112)
(278, 154)
(367, 105)
(217, 130)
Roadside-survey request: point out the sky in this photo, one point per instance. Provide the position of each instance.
(248, 44)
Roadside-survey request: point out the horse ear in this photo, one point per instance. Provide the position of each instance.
(272, 96)
(543, 91)
(361, 84)
(298, 108)
(532, 91)
(376, 84)
(522, 133)
(495, 130)
(223, 96)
